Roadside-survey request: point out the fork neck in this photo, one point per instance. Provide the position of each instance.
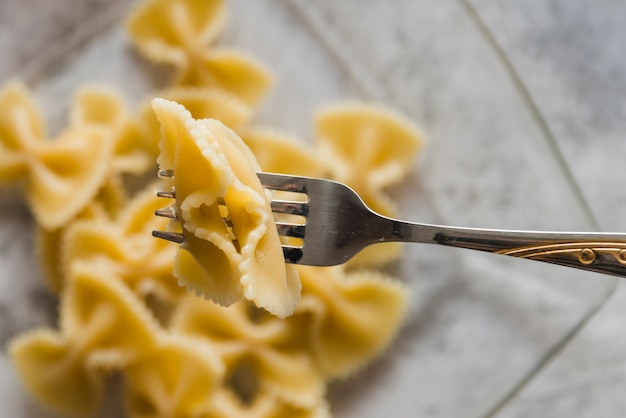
(386, 229)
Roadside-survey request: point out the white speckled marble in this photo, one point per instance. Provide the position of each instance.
(478, 323)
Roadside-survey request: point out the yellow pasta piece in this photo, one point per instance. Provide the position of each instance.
(211, 163)
(179, 32)
(60, 176)
(99, 313)
(105, 206)
(168, 30)
(275, 350)
(133, 152)
(178, 378)
(109, 201)
(125, 248)
(103, 326)
(202, 103)
(355, 316)
(53, 376)
(233, 71)
(277, 152)
(368, 148)
(227, 405)
(212, 361)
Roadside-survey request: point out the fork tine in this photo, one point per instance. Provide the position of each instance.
(166, 173)
(290, 229)
(169, 236)
(290, 207)
(281, 182)
(329, 207)
(167, 195)
(169, 213)
(292, 254)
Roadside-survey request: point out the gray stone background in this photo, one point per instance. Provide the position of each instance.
(523, 105)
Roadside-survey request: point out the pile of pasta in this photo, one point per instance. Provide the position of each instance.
(125, 308)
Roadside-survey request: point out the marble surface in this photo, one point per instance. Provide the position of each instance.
(522, 104)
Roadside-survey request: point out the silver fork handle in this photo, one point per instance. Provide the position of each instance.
(599, 252)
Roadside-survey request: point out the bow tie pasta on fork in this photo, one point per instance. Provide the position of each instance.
(211, 175)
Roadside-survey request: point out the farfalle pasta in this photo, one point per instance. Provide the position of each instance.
(275, 351)
(165, 30)
(233, 71)
(64, 382)
(278, 152)
(211, 163)
(60, 176)
(354, 316)
(124, 247)
(104, 207)
(124, 304)
(369, 146)
(103, 327)
(98, 105)
(102, 107)
(179, 32)
(177, 378)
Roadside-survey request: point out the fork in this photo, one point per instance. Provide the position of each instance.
(334, 224)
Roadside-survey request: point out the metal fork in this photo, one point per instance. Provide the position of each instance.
(333, 224)
(338, 225)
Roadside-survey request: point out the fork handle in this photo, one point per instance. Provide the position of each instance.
(599, 252)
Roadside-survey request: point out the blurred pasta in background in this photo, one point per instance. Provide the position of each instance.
(123, 305)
